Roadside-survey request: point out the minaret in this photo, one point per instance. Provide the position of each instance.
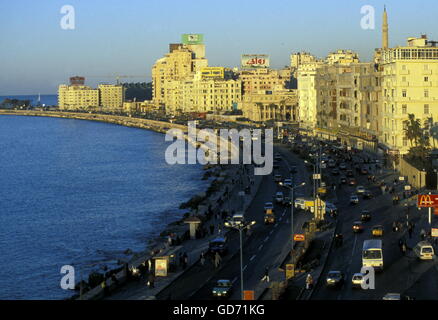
(385, 30)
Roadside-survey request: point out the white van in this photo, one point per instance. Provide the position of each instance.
(424, 250)
(372, 254)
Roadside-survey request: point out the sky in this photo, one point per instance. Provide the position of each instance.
(126, 37)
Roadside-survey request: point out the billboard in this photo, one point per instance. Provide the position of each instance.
(194, 38)
(427, 200)
(252, 61)
(212, 72)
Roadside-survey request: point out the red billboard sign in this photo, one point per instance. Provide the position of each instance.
(427, 200)
(299, 237)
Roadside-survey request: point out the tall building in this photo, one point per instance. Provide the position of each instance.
(111, 96)
(182, 61)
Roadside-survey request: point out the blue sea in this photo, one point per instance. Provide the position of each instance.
(46, 99)
(80, 193)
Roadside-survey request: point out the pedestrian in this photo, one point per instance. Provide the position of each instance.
(404, 248)
(169, 240)
(185, 261)
(266, 275)
(202, 259)
(309, 282)
(394, 226)
(217, 260)
(151, 281)
(422, 234)
(104, 286)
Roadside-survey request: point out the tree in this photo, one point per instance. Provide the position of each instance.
(412, 129)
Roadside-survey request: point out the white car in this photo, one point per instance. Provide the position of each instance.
(354, 199)
(279, 197)
(357, 280)
(360, 189)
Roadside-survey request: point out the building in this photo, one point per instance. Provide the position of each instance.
(182, 61)
(409, 84)
(300, 58)
(263, 79)
(111, 96)
(77, 97)
(277, 105)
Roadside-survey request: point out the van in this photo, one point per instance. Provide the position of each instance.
(424, 250)
(279, 197)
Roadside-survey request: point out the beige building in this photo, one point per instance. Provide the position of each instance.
(263, 79)
(76, 97)
(278, 105)
(181, 62)
(409, 84)
(111, 96)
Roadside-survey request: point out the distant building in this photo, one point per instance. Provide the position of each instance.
(77, 97)
(111, 96)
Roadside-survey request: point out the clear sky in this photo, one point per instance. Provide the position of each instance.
(126, 36)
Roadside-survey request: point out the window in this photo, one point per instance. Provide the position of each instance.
(426, 93)
(426, 109)
(426, 79)
(404, 79)
(404, 93)
(404, 109)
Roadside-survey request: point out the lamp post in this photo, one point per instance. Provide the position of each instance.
(292, 213)
(240, 225)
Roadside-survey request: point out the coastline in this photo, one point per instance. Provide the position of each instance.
(156, 245)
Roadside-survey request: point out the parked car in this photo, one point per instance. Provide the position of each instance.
(365, 215)
(354, 199)
(219, 245)
(357, 226)
(335, 279)
(424, 250)
(222, 289)
(377, 231)
(357, 280)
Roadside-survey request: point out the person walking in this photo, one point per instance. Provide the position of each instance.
(422, 234)
(404, 248)
(185, 260)
(217, 260)
(151, 281)
(266, 275)
(309, 282)
(202, 259)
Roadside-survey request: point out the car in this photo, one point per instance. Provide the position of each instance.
(222, 289)
(269, 206)
(238, 218)
(354, 199)
(352, 181)
(367, 194)
(377, 231)
(334, 279)
(343, 180)
(396, 296)
(335, 172)
(360, 189)
(287, 202)
(343, 166)
(350, 173)
(357, 280)
(279, 197)
(424, 250)
(287, 182)
(278, 178)
(365, 215)
(364, 171)
(330, 208)
(331, 163)
(357, 226)
(218, 245)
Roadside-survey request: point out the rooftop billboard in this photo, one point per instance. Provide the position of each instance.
(194, 38)
(252, 61)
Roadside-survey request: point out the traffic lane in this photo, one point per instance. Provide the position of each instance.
(231, 269)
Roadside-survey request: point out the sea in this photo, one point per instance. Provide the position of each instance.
(80, 193)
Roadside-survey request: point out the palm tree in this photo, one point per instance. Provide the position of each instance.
(413, 130)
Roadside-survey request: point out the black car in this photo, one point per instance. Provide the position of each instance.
(367, 194)
(364, 171)
(335, 172)
(219, 245)
(222, 289)
(350, 173)
(335, 279)
(365, 215)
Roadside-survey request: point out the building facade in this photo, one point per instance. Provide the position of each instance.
(111, 97)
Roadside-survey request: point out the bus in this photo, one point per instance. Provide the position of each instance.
(372, 254)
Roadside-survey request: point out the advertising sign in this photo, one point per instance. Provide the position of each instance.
(194, 38)
(254, 61)
(289, 270)
(434, 232)
(161, 267)
(427, 200)
(299, 237)
(212, 72)
(316, 176)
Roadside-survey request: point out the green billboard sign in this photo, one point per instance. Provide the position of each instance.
(193, 38)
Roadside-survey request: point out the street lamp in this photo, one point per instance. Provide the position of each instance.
(292, 212)
(240, 225)
(313, 177)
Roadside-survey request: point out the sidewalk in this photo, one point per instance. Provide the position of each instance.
(193, 248)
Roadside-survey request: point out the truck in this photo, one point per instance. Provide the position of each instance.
(309, 204)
